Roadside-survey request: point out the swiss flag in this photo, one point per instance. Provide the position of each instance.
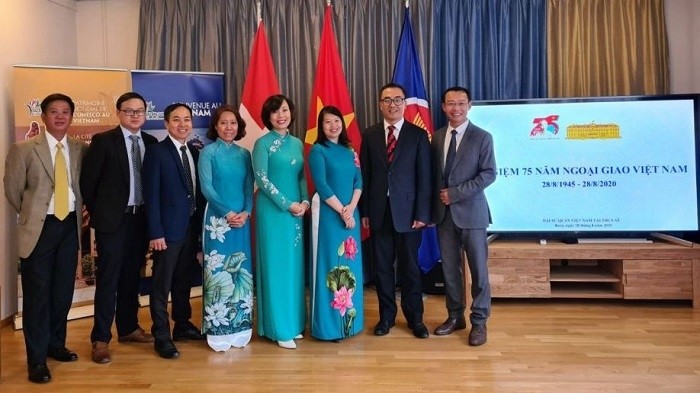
(260, 83)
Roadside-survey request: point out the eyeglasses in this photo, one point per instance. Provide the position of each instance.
(132, 112)
(398, 101)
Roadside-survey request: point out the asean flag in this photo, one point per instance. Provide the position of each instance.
(260, 83)
(407, 73)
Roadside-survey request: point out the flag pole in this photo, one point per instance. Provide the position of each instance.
(258, 9)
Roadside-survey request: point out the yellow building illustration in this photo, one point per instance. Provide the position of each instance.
(593, 131)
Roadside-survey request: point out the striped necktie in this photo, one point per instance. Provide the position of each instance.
(136, 165)
(390, 144)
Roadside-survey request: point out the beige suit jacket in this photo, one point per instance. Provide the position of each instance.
(29, 184)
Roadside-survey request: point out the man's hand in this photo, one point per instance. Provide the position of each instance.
(417, 224)
(158, 244)
(444, 196)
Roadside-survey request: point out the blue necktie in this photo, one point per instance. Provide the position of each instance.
(451, 152)
(188, 177)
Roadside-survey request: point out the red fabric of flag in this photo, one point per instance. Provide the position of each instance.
(260, 83)
(330, 88)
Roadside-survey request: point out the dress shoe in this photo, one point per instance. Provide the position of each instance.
(289, 344)
(299, 336)
(419, 330)
(62, 354)
(39, 373)
(477, 336)
(137, 336)
(450, 325)
(166, 349)
(383, 328)
(100, 352)
(187, 332)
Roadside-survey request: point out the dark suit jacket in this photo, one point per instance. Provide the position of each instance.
(29, 183)
(165, 192)
(104, 181)
(473, 169)
(407, 179)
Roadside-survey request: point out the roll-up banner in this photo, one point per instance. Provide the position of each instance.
(94, 92)
(203, 92)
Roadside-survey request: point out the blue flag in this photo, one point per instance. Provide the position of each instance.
(408, 73)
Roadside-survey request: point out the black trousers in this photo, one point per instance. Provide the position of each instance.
(388, 246)
(48, 280)
(172, 274)
(121, 255)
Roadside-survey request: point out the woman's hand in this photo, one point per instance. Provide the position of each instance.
(349, 222)
(348, 211)
(237, 220)
(298, 209)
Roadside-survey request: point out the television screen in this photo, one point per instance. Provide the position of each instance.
(612, 164)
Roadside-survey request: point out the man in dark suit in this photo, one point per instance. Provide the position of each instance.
(395, 158)
(41, 184)
(463, 165)
(174, 219)
(112, 189)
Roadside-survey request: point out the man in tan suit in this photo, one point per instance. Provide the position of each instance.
(41, 184)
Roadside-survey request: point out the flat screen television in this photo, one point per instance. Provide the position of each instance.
(608, 166)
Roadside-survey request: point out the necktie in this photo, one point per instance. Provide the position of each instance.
(136, 169)
(188, 176)
(390, 144)
(60, 192)
(451, 152)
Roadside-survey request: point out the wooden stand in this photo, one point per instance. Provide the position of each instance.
(657, 270)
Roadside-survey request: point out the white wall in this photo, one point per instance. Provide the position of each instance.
(103, 33)
(88, 33)
(31, 32)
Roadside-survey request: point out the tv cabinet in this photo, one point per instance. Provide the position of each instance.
(657, 270)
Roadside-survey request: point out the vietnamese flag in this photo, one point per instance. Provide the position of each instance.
(330, 88)
(260, 83)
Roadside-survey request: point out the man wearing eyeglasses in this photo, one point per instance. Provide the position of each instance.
(112, 191)
(395, 206)
(464, 165)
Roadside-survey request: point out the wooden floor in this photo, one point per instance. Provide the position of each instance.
(534, 346)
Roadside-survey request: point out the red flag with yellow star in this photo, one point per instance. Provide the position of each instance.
(330, 88)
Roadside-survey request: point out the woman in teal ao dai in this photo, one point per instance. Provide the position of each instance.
(226, 178)
(282, 201)
(337, 309)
